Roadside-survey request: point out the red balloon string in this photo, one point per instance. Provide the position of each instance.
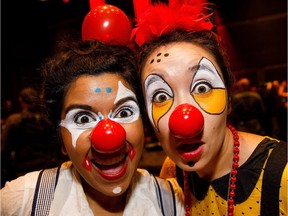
(96, 3)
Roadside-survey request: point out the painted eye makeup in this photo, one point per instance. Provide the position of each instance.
(201, 88)
(84, 118)
(161, 96)
(157, 90)
(208, 89)
(126, 113)
(206, 75)
(80, 119)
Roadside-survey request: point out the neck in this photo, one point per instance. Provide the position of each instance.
(221, 164)
(102, 204)
(232, 180)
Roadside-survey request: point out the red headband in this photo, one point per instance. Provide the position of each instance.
(155, 20)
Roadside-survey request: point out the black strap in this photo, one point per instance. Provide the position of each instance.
(272, 180)
(165, 196)
(44, 191)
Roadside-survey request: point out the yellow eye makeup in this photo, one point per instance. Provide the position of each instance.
(208, 88)
(159, 98)
(159, 110)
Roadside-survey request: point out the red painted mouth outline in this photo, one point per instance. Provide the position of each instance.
(116, 175)
(124, 154)
(191, 150)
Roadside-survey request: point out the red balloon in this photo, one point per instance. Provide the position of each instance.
(108, 24)
(108, 136)
(186, 121)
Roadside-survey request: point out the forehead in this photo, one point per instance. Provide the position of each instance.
(176, 54)
(102, 80)
(102, 85)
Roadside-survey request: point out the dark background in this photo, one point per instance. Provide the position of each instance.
(254, 32)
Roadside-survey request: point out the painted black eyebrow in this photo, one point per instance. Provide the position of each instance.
(199, 66)
(78, 106)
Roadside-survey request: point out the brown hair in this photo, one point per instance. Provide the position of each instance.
(84, 58)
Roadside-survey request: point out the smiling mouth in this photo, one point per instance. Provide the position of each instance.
(112, 166)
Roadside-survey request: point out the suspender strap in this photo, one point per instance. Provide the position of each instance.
(272, 180)
(44, 191)
(165, 196)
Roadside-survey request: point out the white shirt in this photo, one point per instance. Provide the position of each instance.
(70, 199)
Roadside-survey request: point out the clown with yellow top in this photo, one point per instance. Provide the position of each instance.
(187, 85)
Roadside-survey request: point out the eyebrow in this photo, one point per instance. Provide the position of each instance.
(78, 106)
(200, 66)
(154, 78)
(123, 100)
(194, 68)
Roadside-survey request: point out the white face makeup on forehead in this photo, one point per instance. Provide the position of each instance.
(124, 92)
(79, 120)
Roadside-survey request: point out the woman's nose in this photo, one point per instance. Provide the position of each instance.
(186, 121)
(108, 136)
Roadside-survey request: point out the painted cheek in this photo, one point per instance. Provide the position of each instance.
(132, 153)
(214, 102)
(159, 110)
(87, 164)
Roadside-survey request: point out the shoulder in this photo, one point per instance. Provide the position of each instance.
(252, 144)
(17, 195)
(22, 183)
(161, 190)
(248, 143)
(168, 169)
(14, 118)
(143, 184)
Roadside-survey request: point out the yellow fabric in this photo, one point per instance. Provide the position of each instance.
(213, 204)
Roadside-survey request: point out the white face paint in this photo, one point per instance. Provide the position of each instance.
(208, 73)
(157, 91)
(74, 124)
(128, 111)
(79, 120)
(117, 190)
(123, 92)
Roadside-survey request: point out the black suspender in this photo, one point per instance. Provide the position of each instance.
(271, 179)
(44, 191)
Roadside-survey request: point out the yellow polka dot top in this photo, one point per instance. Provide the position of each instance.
(210, 198)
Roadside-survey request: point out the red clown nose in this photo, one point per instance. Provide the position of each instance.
(186, 121)
(108, 136)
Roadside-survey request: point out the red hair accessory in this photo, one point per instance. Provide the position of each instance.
(106, 23)
(154, 20)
